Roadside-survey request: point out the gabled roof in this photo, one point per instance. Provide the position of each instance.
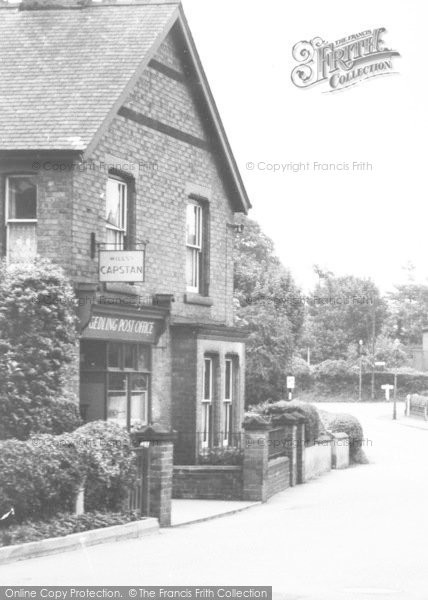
(64, 73)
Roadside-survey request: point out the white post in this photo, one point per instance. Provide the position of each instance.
(79, 506)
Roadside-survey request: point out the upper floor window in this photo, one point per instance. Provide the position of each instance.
(21, 217)
(194, 244)
(116, 212)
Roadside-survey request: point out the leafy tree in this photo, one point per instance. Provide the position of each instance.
(38, 338)
(340, 312)
(269, 304)
(408, 306)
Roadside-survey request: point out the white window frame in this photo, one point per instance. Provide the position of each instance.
(206, 404)
(6, 206)
(228, 401)
(195, 249)
(119, 231)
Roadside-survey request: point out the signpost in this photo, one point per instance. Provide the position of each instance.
(291, 383)
(387, 387)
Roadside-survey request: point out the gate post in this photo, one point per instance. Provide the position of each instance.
(255, 464)
(158, 455)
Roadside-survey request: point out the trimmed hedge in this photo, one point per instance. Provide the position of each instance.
(61, 525)
(345, 423)
(41, 476)
(287, 412)
(313, 425)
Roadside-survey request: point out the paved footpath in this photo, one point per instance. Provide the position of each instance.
(356, 534)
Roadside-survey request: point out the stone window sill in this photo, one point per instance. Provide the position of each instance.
(190, 298)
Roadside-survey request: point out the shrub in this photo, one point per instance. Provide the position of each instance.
(106, 451)
(313, 426)
(62, 524)
(38, 337)
(221, 456)
(41, 476)
(344, 423)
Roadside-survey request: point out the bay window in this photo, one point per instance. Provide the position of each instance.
(227, 402)
(207, 398)
(21, 217)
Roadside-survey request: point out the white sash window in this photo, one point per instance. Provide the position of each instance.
(21, 217)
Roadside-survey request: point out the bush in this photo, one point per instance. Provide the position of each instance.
(308, 412)
(344, 423)
(38, 337)
(107, 452)
(41, 477)
(62, 524)
(221, 456)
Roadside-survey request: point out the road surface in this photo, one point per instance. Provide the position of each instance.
(357, 534)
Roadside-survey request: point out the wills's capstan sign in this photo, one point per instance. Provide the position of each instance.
(342, 63)
(121, 265)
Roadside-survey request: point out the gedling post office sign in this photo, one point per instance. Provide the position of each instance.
(120, 328)
(121, 265)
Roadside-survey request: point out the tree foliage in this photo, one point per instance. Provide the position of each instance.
(38, 337)
(269, 305)
(341, 311)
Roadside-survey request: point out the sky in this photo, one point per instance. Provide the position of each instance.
(370, 222)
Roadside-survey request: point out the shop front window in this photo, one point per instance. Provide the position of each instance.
(125, 370)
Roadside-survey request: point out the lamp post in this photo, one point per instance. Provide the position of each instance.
(394, 410)
(360, 386)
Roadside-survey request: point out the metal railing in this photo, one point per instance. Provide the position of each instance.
(278, 442)
(215, 449)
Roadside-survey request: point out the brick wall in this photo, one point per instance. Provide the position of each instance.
(207, 482)
(169, 167)
(278, 475)
(183, 394)
(161, 481)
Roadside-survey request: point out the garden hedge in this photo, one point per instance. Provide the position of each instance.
(345, 423)
(41, 476)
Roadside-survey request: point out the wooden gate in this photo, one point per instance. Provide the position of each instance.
(139, 497)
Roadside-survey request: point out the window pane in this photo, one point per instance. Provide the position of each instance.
(206, 424)
(139, 407)
(116, 408)
(129, 356)
(114, 356)
(191, 224)
(21, 241)
(228, 381)
(93, 355)
(117, 398)
(207, 379)
(22, 198)
(117, 382)
(139, 383)
(143, 358)
(114, 203)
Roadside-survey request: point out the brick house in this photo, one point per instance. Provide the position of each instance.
(114, 164)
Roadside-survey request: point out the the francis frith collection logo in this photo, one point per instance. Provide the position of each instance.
(342, 63)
